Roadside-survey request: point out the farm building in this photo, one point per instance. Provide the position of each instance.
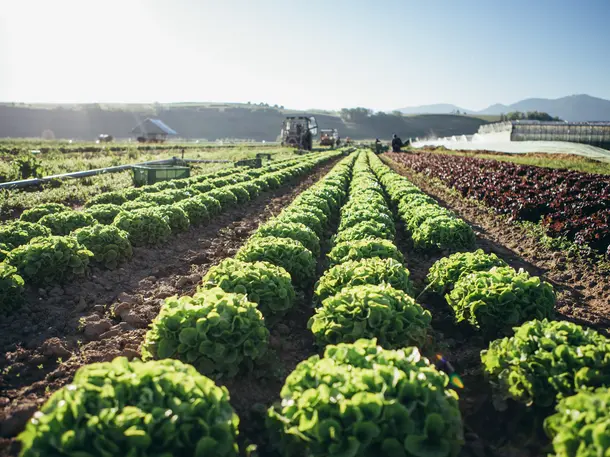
(152, 131)
(593, 133)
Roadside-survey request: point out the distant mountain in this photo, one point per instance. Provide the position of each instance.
(572, 108)
(439, 108)
(498, 108)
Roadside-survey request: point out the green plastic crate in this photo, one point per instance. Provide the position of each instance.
(150, 174)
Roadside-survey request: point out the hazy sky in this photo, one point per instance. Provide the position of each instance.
(381, 54)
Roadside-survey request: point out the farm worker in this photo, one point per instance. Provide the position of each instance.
(396, 143)
(377, 146)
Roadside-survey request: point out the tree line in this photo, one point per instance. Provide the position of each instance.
(529, 116)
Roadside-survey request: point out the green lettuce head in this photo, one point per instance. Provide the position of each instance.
(104, 213)
(50, 259)
(39, 211)
(217, 332)
(107, 198)
(363, 231)
(65, 222)
(110, 245)
(175, 217)
(124, 408)
(366, 271)
(226, 198)
(195, 210)
(11, 289)
(443, 232)
(294, 230)
(18, 233)
(263, 283)
(501, 298)
(362, 400)
(580, 426)
(364, 249)
(287, 253)
(146, 227)
(546, 360)
(371, 311)
(445, 272)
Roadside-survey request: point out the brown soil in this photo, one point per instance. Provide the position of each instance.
(63, 328)
(583, 296)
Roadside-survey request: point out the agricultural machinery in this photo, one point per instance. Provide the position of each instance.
(329, 137)
(298, 132)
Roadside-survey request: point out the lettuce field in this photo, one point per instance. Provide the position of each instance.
(324, 305)
(568, 203)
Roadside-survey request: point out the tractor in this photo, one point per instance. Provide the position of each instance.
(298, 132)
(329, 137)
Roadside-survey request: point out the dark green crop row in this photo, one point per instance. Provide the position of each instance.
(429, 225)
(367, 293)
(53, 243)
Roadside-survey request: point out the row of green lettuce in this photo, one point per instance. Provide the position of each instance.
(371, 393)
(544, 362)
(60, 245)
(367, 294)
(428, 225)
(252, 290)
(358, 398)
(166, 407)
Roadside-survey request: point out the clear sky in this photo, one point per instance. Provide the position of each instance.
(329, 54)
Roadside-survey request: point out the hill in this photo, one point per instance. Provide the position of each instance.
(572, 108)
(214, 121)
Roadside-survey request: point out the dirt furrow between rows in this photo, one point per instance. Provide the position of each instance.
(106, 315)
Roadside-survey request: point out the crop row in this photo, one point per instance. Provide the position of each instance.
(367, 292)
(277, 259)
(19, 147)
(567, 203)
(371, 393)
(54, 244)
(542, 363)
(545, 362)
(357, 399)
(368, 394)
(218, 330)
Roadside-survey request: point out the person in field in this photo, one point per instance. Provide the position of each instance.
(396, 143)
(377, 146)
